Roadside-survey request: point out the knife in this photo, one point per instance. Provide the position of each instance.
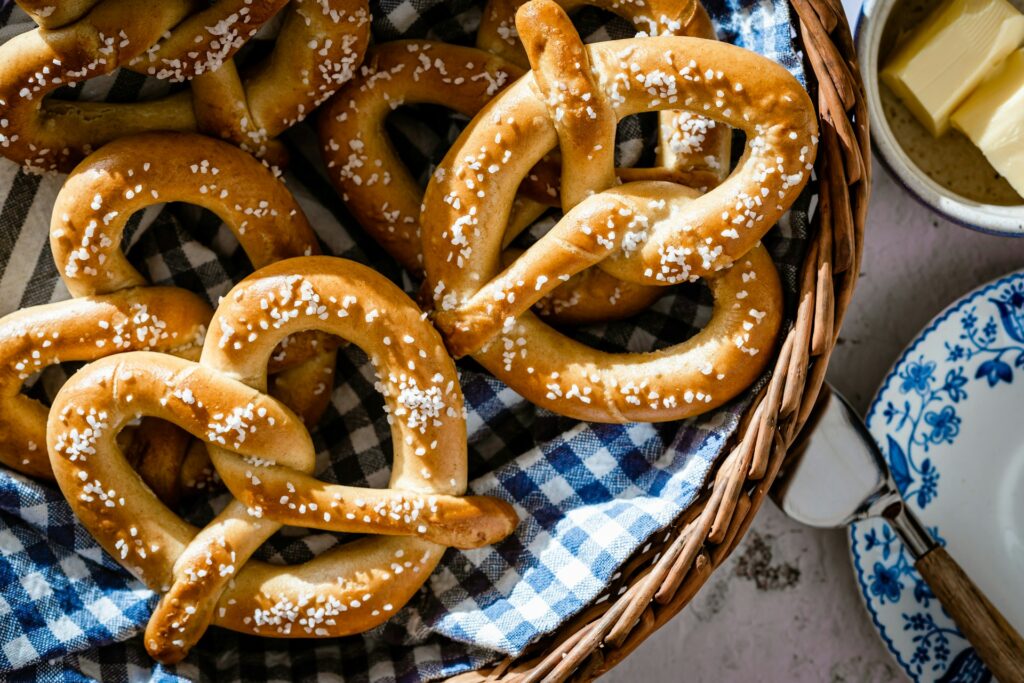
(835, 474)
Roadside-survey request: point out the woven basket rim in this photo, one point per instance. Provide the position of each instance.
(664, 575)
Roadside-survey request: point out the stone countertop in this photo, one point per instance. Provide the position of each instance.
(785, 606)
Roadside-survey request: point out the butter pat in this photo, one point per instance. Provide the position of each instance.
(993, 118)
(949, 54)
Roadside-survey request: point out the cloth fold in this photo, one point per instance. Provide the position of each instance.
(588, 495)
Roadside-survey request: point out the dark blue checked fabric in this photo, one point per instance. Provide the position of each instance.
(588, 495)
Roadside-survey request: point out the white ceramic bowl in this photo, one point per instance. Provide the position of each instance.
(992, 218)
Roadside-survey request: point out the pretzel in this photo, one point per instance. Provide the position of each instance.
(381, 192)
(689, 144)
(648, 232)
(148, 318)
(54, 14)
(319, 46)
(362, 163)
(89, 216)
(266, 458)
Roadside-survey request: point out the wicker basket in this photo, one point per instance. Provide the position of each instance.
(662, 577)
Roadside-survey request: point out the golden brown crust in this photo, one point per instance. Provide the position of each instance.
(673, 383)
(321, 43)
(32, 339)
(591, 297)
(565, 81)
(384, 197)
(119, 313)
(266, 458)
(648, 232)
(132, 173)
(55, 13)
(690, 144)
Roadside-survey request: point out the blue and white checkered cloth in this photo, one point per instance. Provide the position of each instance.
(587, 495)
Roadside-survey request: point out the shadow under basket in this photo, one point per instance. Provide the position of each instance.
(666, 573)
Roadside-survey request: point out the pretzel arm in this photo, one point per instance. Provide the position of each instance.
(304, 501)
(673, 383)
(592, 296)
(54, 135)
(159, 318)
(292, 82)
(582, 116)
(92, 209)
(584, 237)
(344, 591)
(53, 14)
(213, 34)
(221, 109)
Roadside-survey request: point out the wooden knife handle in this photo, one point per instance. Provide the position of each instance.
(995, 641)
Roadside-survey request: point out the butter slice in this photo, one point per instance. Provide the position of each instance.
(949, 54)
(993, 118)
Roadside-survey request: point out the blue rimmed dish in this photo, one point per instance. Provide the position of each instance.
(950, 420)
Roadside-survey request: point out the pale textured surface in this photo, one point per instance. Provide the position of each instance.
(786, 605)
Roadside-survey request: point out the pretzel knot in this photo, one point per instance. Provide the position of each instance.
(266, 458)
(163, 319)
(689, 144)
(133, 173)
(385, 198)
(648, 232)
(116, 311)
(319, 45)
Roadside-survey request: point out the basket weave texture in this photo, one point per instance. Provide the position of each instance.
(662, 578)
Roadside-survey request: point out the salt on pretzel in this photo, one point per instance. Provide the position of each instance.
(163, 319)
(690, 145)
(646, 232)
(361, 159)
(266, 458)
(135, 172)
(132, 173)
(54, 14)
(320, 45)
(382, 193)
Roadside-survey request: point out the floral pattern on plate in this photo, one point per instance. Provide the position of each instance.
(918, 416)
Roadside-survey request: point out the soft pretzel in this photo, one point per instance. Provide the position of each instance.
(320, 44)
(132, 173)
(689, 144)
(266, 458)
(54, 14)
(385, 198)
(88, 220)
(146, 318)
(647, 232)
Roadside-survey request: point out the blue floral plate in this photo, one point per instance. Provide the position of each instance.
(950, 420)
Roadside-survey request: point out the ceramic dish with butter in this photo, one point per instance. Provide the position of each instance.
(945, 91)
(948, 421)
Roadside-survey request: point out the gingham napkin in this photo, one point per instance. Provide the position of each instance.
(587, 495)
